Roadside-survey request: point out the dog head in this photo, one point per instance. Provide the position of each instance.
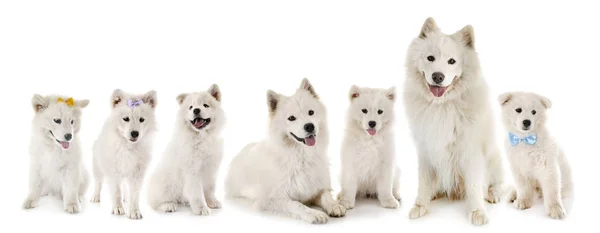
(440, 59)
(371, 109)
(524, 112)
(299, 118)
(59, 117)
(133, 114)
(202, 111)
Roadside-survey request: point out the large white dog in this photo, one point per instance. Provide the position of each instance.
(289, 169)
(124, 148)
(56, 166)
(188, 171)
(448, 109)
(538, 164)
(368, 156)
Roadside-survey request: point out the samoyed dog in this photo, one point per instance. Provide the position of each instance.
(188, 171)
(368, 158)
(123, 149)
(449, 112)
(289, 170)
(538, 164)
(56, 166)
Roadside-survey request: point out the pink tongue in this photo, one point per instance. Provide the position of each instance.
(372, 131)
(65, 145)
(437, 91)
(198, 123)
(310, 140)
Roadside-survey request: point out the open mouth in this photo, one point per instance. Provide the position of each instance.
(437, 91)
(133, 139)
(64, 144)
(372, 131)
(200, 123)
(309, 140)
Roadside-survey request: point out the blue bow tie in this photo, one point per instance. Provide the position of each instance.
(515, 140)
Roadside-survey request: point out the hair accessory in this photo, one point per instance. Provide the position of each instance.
(515, 140)
(70, 102)
(133, 103)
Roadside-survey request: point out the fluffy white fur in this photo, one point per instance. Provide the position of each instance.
(56, 166)
(289, 170)
(453, 133)
(120, 159)
(541, 168)
(368, 156)
(188, 171)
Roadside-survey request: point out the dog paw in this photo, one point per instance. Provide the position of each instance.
(336, 210)
(492, 196)
(118, 210)
(317, 217)
(213, 204)
(417, 211)
(347, 204)
(167, 207)
(389, 203)
(72, 208)
(512, 196)
(556, 211)
(522, 204)
(203, 210)
(135, 214)
(95, 199)
(478, 217)
(30, 204)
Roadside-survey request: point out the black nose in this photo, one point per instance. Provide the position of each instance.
(526, 123)
(196, 111)
(438, 77)
(309, 127)
(372, 124)
(68, 137)
(135, 134)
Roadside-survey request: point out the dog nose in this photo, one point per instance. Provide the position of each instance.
(196, 111)
(526, 123)
(438, 77)
(135, 134)
(309, 127)
(68, 137)
(372, 124)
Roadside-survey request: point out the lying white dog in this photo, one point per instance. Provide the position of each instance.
(368, 156)
(537, 162)
(188, 171)
(123, 149)
(56, 165)
(290, 169)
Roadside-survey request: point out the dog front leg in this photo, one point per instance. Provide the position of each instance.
(473, 178)
(384, 186)
(114, 187)
(134, 185)
(347, 197)
(428, 185)
(193, 190)
(70, 190)
(294, 209)
(551, 189)
(525, 191)
(333, 208)
(35, 188)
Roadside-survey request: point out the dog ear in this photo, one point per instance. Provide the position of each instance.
(391, 93)
(466, 36)
(504, 98)
(354, 92)
(82, 103)
(306, 86)
(150, 98)
(117, 97)
(181, 97)
(272, 101)
(39, 103)
(545, 101)
(215, 92)
(428, 27)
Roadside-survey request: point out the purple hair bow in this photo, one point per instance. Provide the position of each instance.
(133, 103)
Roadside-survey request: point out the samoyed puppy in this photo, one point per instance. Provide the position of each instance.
(536, 160)
(368, 157)
(449, 112)
(56, 166)
(289, 170)
(188, 171)
(123, 149)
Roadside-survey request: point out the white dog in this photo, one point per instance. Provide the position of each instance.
(290, 169)
(368, 158)
(188, 171)
(536, 160)
(448, 109)
(123, 149)
(56, 165)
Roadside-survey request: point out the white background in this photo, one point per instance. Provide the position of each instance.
(85, 49)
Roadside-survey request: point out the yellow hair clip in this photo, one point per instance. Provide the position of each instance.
(69, 101)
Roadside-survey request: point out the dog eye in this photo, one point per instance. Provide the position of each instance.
(291, 118)
(126, 119)
(431, 58)
(71, 122)
(364, 110)
(311, 112)
(451, 61)
(142, 119)
(57, 121)
(206, 105)
(533, 112)
(518, 110)
(191, 107)
(379, 111)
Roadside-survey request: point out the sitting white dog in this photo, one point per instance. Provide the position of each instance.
(537, 162)
(290, 169)
(124, 148)
(56, 166)
(188, 171)
(368, 158)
